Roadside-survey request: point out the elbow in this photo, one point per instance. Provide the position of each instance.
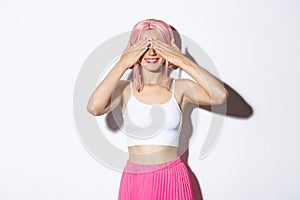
(92, 110)
(222, 98)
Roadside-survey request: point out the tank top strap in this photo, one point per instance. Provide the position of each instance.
(173, 87)
(131, 88)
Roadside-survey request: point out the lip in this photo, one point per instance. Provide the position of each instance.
(151, 60)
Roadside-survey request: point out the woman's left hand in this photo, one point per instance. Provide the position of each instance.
(169, 52)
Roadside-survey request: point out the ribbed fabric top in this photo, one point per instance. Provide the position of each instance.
(147, 124)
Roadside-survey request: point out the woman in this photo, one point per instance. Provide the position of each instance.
(154, 170)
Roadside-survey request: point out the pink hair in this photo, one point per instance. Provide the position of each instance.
(167, 34)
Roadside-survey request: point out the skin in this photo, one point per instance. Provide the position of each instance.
(113, 92)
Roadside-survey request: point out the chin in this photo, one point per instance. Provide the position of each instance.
(152, 67)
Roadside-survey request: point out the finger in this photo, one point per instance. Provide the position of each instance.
(144, 43)
(141, 53)
(166, 47)
(161, 47)
(156, 44)
(160, 44)
(140, 50)
(175, 45)
(163, 53)
(141, 44)
(137, 46)
(143, 47)
(141, 41)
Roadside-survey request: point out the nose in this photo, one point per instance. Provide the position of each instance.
(151, 52)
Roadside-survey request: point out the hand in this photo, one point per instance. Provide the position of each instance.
(169, 52)
(133, 53)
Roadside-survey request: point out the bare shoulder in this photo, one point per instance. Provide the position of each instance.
(185, 92)
(122, 88)
(182, 85)
(125, 84)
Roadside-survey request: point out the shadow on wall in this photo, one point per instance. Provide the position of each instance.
(235, 106)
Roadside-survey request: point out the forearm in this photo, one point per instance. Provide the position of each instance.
(211, 85)
(102, 94)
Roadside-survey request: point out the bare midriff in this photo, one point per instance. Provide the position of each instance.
(152, 154)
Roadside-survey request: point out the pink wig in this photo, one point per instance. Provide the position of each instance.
(165, 31)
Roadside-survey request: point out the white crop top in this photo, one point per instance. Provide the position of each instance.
(147, 124)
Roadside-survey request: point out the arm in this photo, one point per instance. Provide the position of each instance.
(108, 94)
(102, 101)
(206, 89)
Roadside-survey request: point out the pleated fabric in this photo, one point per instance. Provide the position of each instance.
(165, 181)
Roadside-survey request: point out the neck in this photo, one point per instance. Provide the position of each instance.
(150, 77)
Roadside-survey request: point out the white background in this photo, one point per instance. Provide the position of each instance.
(254, 45)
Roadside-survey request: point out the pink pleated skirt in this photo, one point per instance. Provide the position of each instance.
(165, 181)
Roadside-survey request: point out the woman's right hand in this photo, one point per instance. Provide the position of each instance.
(133, 53)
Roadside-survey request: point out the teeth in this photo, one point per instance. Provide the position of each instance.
(152, 60)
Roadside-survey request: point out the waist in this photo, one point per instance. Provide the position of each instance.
(152, 154)
(132, 167)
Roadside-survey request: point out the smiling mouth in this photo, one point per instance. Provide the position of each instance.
(151, 60)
